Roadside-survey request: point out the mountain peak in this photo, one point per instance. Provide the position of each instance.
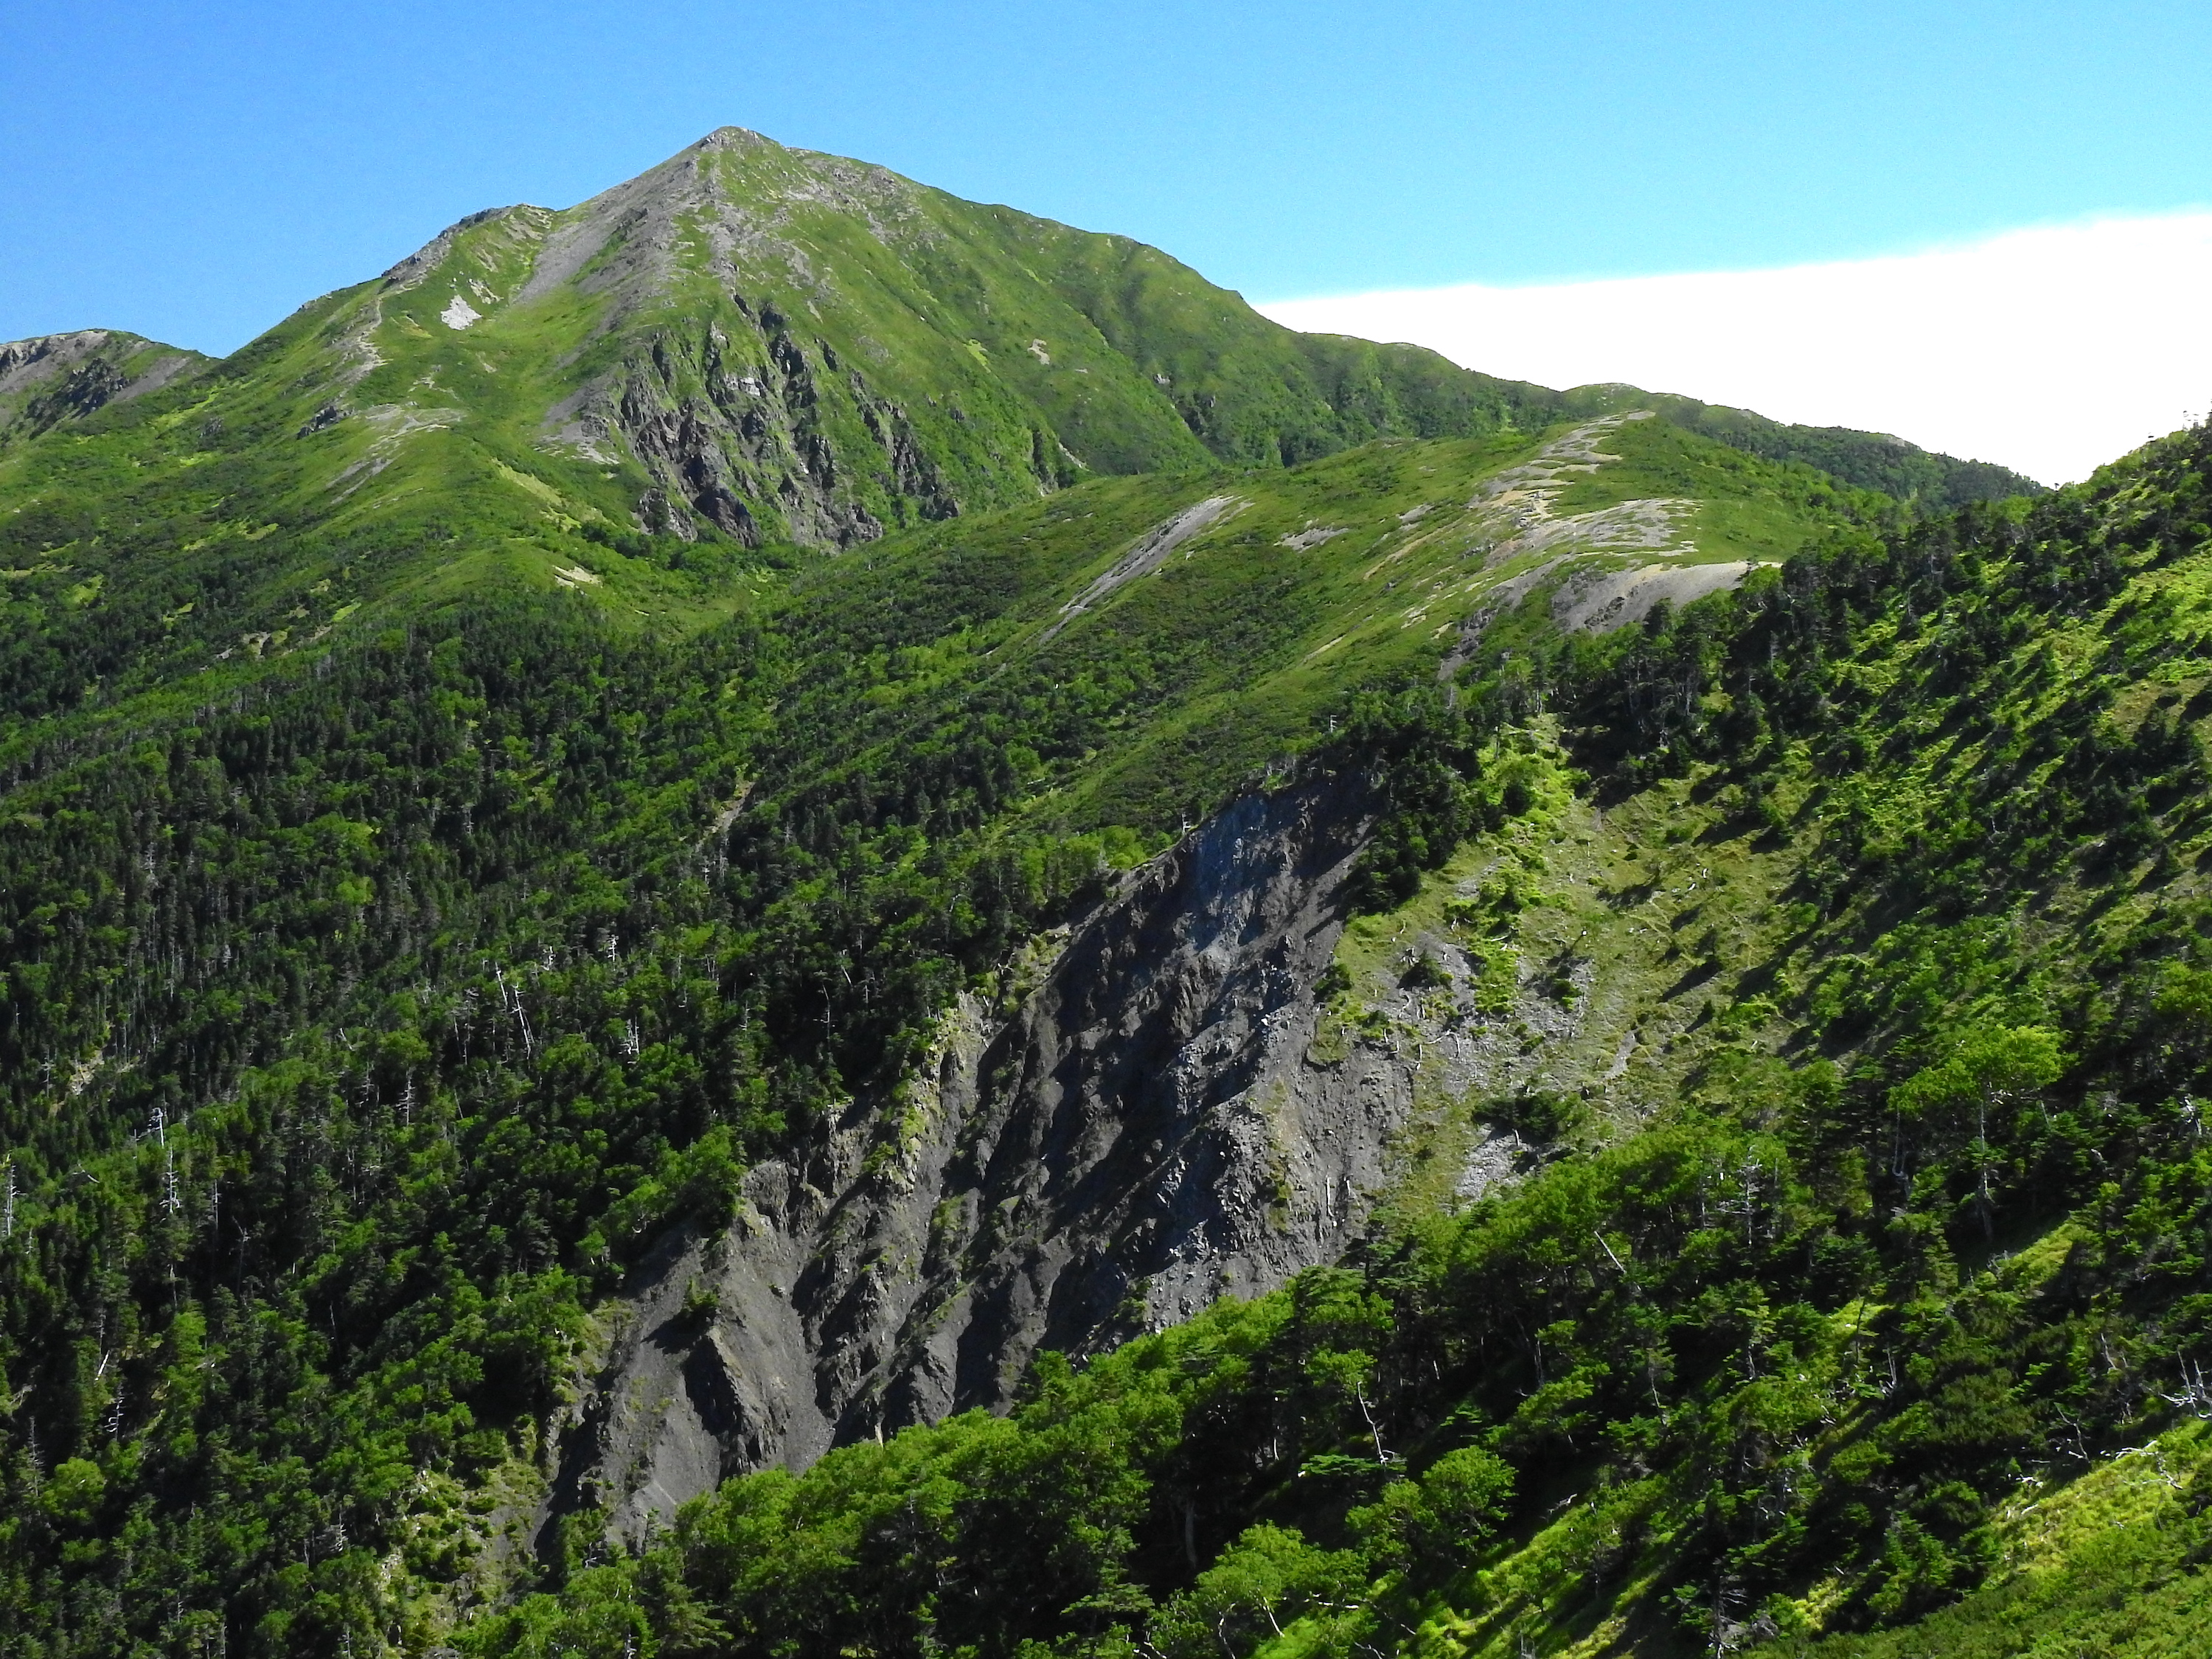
(47, 379)
(734, 138)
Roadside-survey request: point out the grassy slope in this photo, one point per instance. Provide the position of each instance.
(220, 523)
(1871, 460)
(1236, 655)
(2112, 1563)
(1706, 915)
(1011, 348)
(366, 445)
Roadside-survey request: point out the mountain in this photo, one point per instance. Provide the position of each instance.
(782, 346)
(803, 348)
(785, 915)
(1871, 460)
(56, 379)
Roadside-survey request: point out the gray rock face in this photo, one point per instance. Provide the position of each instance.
(53, 379)
(732, 424)
(1595, 603)
(1137, 1132)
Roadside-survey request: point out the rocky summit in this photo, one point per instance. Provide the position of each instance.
(781, 915)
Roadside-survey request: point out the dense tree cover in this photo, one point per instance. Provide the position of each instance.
(1778, 1339)
(385, 964)
(359, 1027)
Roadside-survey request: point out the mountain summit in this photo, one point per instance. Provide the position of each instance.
(781, 916)
(793, 346)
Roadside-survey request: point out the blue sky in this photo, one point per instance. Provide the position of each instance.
(194, 172)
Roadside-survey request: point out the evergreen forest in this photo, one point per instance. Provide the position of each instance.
(544, 739)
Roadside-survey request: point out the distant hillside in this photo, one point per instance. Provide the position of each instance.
(1872, 460)
(783, 917)
(55, 379)
(1921, 478)
(771, 345)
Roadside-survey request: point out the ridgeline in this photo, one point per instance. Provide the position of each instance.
(786, 916)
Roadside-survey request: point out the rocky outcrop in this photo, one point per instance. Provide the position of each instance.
(51, 378)
(747, 421)
(1137, 1132)
(750, 430)
(1584, 556)
(1597, 602)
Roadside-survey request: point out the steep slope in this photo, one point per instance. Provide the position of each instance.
(782, 346)
(1805, 1225)
(532, 826)
(455, 971)
(749, 345)
(756, 345)
(55, 379)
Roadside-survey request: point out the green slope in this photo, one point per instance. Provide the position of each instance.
(1866, 460)
(470, 790)
(1871, 460)
(1357, 570)
(1862, 1313)
(780, 346)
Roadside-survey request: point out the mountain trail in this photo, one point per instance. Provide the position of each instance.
(1518, 516)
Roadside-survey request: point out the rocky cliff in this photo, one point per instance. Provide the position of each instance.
(51, 380)
(1192, 1092)
(1135, 1129)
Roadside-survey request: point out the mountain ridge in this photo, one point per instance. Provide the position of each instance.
(588, 993)
(94, 368)
(739, 421)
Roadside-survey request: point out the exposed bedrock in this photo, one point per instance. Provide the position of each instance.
(56, 378)
(1132, 1131)
(751, 433)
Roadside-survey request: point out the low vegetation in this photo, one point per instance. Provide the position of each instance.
(433, 864)
(1899, 1301)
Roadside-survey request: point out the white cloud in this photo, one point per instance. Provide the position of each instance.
(2049, 350)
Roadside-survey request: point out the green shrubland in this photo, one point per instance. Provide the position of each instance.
(426, 877)
(1898, 1307)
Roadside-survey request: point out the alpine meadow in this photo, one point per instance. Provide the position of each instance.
(782, 916)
